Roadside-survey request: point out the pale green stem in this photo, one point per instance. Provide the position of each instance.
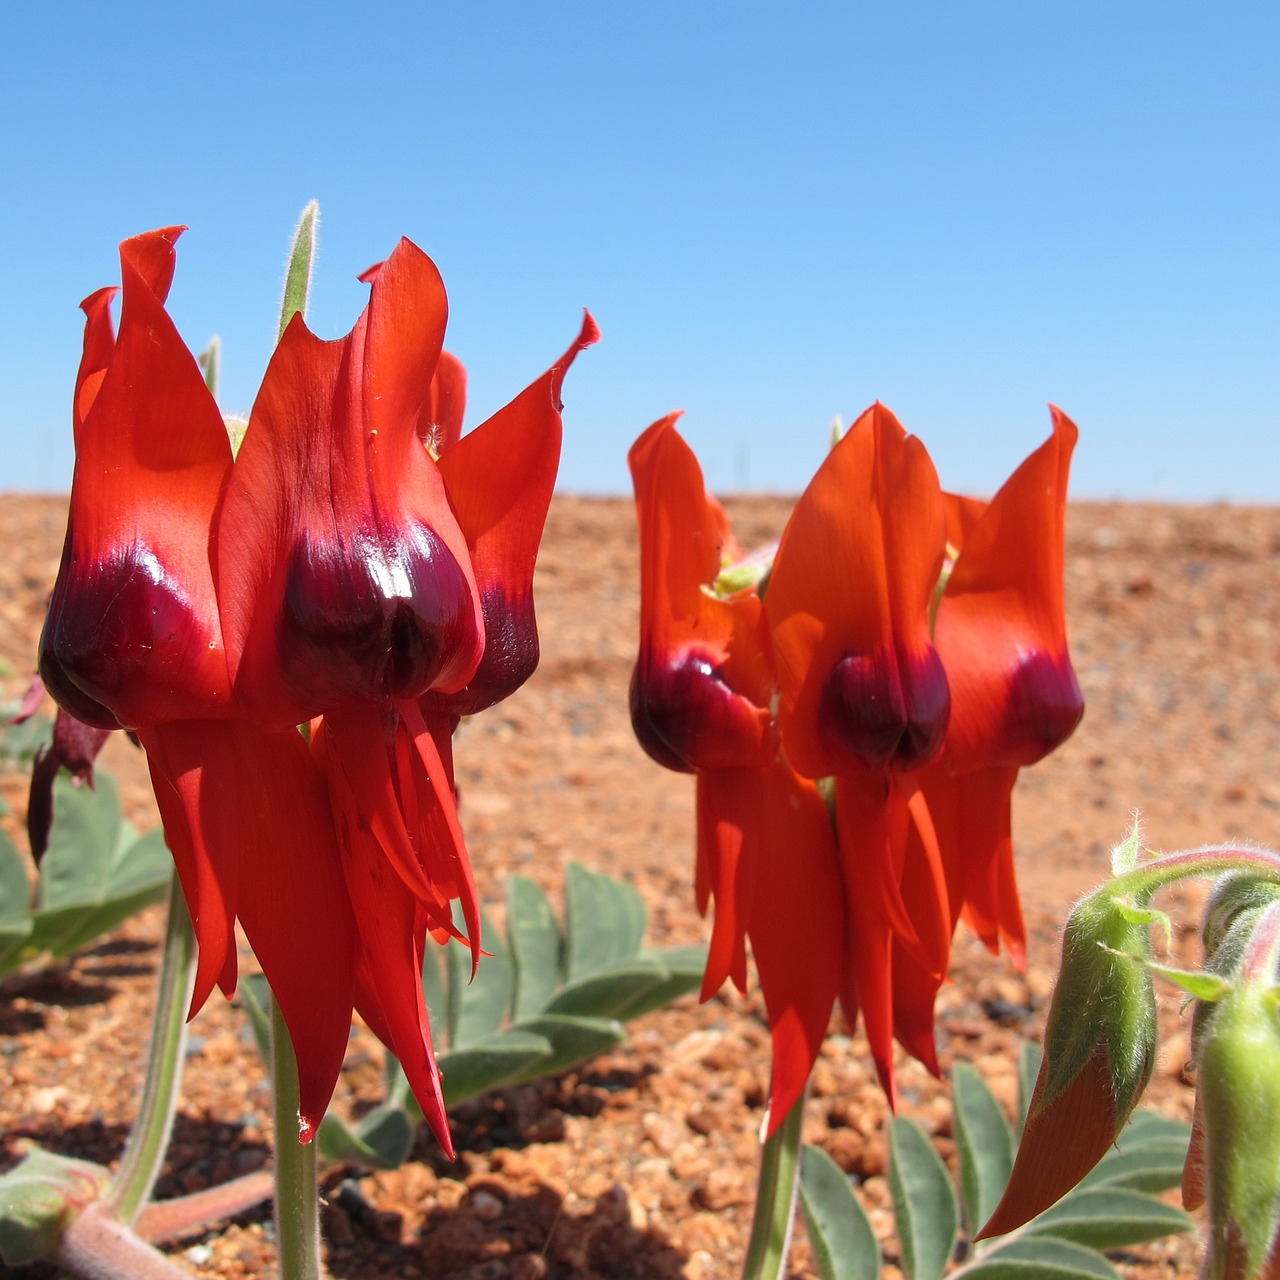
(297, 1199)
(776, 1198)
(149, 1139)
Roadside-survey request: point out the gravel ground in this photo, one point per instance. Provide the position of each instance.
(641, 1164)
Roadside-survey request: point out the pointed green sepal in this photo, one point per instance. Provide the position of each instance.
(297, 278)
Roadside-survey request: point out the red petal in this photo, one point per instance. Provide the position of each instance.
(342, 573)
(862, 821)
(796, 928)
(389, 992)
(703, 683)
(132, 633)
(1001, 628)
(99, 346)
(500, 479)
(248, 819)
(730, 849)
(862, 688)
(973, 820)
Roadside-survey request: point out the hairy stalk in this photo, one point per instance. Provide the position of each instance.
(776, 1191)
(297, 1198)
(149, 1139)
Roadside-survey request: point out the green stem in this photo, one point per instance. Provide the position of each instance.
(776, 1198)
(1211, 860)
(149, 1139)
(297, 1199)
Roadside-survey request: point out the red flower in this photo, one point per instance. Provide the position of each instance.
(335, 571)
(700, 702)
(864, 697)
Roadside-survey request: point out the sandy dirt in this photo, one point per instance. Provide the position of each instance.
(642, 1163)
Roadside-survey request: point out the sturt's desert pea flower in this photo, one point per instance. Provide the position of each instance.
(335, 576)
(812, 678)
(701, 702)
(864, 696)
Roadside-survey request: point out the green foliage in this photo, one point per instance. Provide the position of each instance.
(844, 1245)
(97, 872)
(1114, 1206)
(38, 1198)
(542, 1002)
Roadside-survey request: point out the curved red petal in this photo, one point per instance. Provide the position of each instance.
(99, 347)
(796, 926)
(500, 478)
(208, 867)
(865, 848)
(729, 856)
(132, 633)
(293, 903)
(972, 817)
(861, 686)
(389, 991)
(703, 683)
(342, 573)
(1001, 626)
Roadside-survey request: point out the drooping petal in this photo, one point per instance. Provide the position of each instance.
(896, 902)
(74, 747)
(342, 574)
(730, 849)
(500, 478)
(796, 928)
(132, 636)
(862, 687)
(973, 818)
(701, 690)
(248, 820)
(1001, 627)
(390, 923)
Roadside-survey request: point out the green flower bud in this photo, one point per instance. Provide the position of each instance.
(1238, 1105)
(1099, 1050)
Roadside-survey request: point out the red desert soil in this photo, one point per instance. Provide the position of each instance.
(641, 1164)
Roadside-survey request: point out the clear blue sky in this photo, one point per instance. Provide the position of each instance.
(963, 209)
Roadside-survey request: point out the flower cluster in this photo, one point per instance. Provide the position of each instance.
(856, 710)
(359, 569)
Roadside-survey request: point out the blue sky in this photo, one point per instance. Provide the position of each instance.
(964, 210)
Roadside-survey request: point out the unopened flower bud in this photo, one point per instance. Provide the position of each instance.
(1099, 1050)
(1238, 1106)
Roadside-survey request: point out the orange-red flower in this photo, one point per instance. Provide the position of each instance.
(915, 686)
(337, 574)
(700, 702)
(864, 696)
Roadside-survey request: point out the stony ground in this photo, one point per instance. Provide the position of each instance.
(641, 1164)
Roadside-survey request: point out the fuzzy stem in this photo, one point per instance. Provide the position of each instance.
(297, 1198)
(776, 1190)
(149, 1139)
(98, 1246)
(1209, 860)
(184, 1215)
